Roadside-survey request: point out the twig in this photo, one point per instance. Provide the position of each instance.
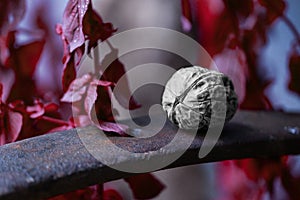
(292, 27)
(56, 121)
(96, 58)
(96, 66)
(109, 44)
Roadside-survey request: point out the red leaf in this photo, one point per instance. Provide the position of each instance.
(81, 120)
(103, 104)
(59, 30)
(89, 88)
(36, 110)
(235, 185)
(186, 18)
(112, 127)
(7, 44)
(36, 120)
(7, 79)
(255, 98)
(73, 38)
(111, 194)
(294, 66)
(91, 94)
(69, 73)
(144, 186)
(95, 29)
(1, 91)
(267, 169)
(72, 23)
(104, 112)
(80, 22)
(88, 92)
(77, 89)
(44, 124)
(51, 107)
(90, 193)
(215, 26)
(275, 8)
(23, 60)
(4, 53)
(39, 109)
(11, 13)
(71, 60)
(291, 184)
(232, 62)
(113, 73)
(243, 8)
(10, 124)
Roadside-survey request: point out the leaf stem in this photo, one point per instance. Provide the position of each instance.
(96, 58)
(109, 44)
(56, 121)
(292, 27)
(101, 191)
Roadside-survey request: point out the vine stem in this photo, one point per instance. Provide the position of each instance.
(96, 58)
(96, 66)
(109, 44)
(292, 27)
(57, 121)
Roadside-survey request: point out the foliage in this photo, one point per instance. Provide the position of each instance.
(26, 113)
(234, 33)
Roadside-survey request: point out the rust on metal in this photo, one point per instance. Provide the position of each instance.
(52, 164)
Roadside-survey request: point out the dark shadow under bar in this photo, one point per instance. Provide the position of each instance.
(56, 163)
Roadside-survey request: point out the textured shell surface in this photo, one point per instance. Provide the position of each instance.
(192, 93)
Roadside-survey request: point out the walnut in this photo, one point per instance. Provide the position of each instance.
(192, 93)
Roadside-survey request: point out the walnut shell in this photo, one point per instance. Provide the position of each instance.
(192, 93)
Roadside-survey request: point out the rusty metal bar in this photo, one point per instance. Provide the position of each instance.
(55, 163)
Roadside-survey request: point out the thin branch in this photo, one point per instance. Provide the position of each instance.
(109, 44)
(96, 58)
(56, 121)
(292, 27)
